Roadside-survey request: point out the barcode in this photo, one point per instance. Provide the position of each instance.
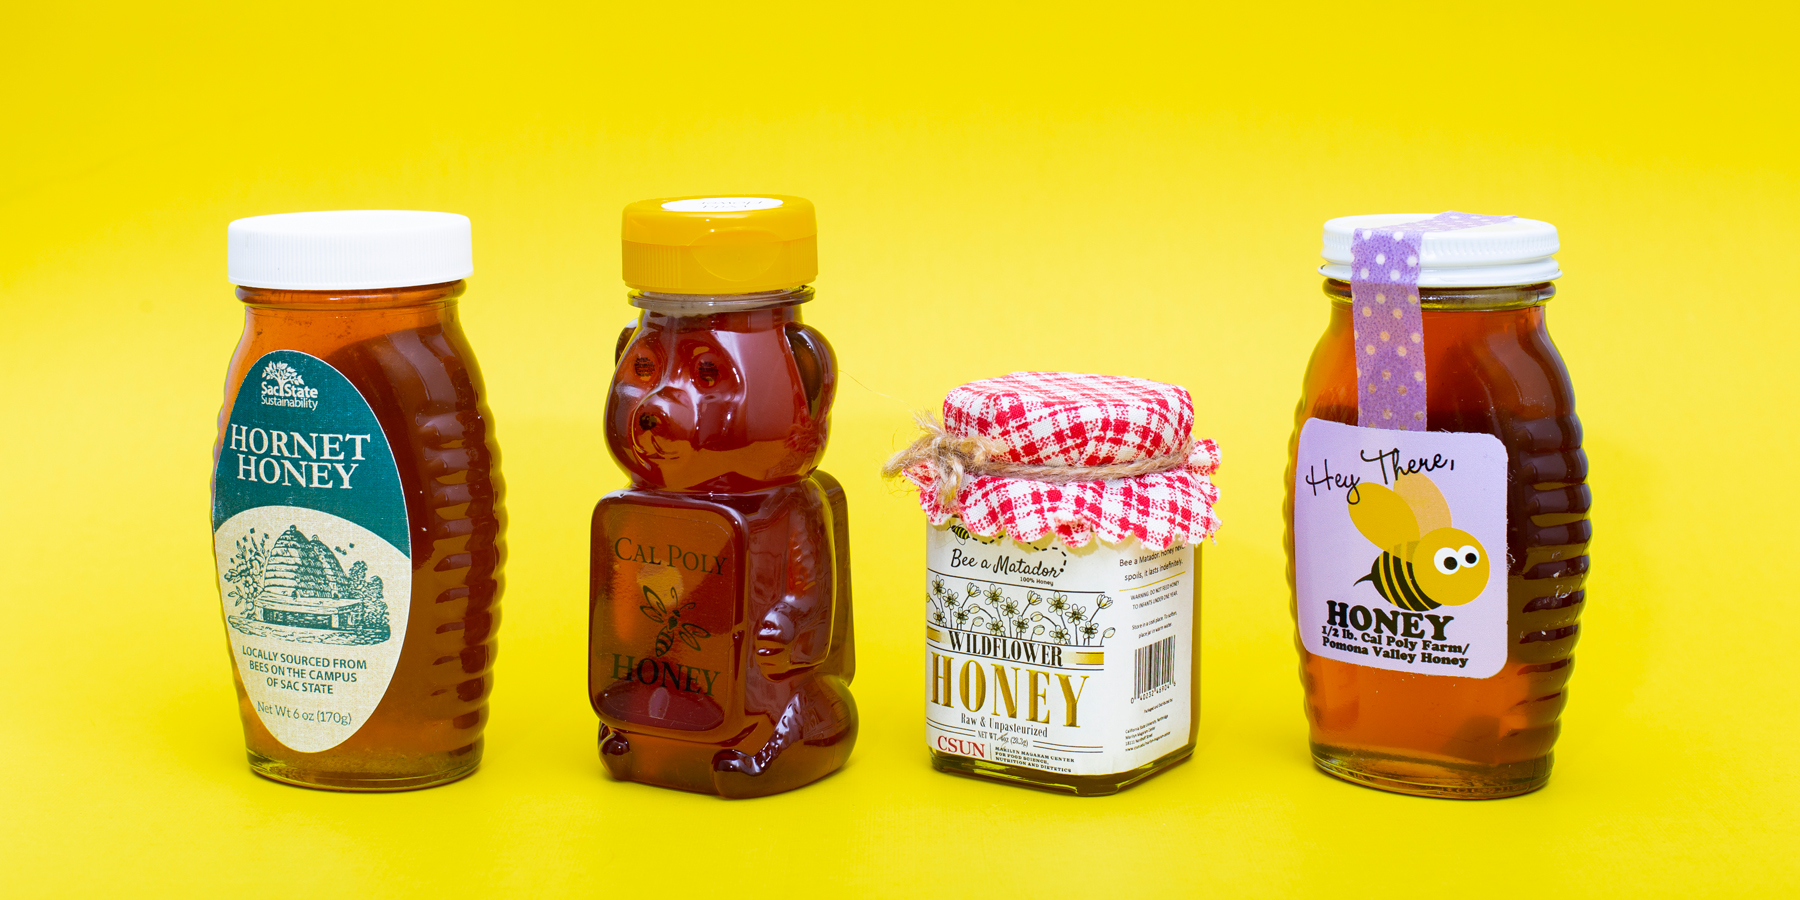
(1153, 665)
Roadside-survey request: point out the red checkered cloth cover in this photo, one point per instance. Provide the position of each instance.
(1059, 418)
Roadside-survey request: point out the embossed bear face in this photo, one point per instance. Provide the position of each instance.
(724, 403)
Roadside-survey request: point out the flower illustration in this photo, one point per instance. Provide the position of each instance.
(1088, 630)
(1060, 634)
(1059, 603)
(994, 595)
(1103, 601)
(1009, 607)
(961, 616)
(1019, 625)
(994, 626)
(1077, 614)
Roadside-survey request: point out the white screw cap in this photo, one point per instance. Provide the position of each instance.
(347, 250)
(1517, 251)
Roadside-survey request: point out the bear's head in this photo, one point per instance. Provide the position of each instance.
(724, 403)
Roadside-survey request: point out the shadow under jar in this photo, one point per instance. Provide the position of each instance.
(1422, 726)
(358, 522)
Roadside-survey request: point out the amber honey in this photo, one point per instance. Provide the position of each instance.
(404, 351)
(1492, 369)
(721, 647)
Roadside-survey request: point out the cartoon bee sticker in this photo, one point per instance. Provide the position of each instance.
(669, 616)
(1424, 563)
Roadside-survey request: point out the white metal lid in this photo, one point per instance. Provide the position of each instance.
(1517, 251)
(347, 250)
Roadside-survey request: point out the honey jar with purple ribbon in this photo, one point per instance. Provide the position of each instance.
(1437, 508)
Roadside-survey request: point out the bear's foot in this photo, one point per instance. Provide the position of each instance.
(812, 739)
(615, 753)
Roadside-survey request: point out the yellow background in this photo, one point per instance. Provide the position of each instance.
(1114, 187)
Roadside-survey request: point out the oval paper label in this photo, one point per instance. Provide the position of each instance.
(315, 564)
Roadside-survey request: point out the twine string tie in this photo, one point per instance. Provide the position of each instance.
(955, 458)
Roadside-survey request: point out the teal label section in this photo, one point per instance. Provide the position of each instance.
(300, 434)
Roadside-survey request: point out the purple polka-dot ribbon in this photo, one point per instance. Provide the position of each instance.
(1390, 328)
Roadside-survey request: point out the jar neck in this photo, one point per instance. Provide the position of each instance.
(1464, 299)
(690, 305)
(424, 295)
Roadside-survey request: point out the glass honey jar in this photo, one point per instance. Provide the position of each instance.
(1062, 578)
(1437, 508)
(356, 502)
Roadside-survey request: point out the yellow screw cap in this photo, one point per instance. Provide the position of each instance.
(720, 245)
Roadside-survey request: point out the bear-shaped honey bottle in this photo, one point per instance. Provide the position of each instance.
(720, 644)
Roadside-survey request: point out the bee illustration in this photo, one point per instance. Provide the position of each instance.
(670, 618)
(1424, 563)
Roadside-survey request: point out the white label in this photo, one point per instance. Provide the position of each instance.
(1400, 548)
(721, 204)
(316, 628)
(1067, 660)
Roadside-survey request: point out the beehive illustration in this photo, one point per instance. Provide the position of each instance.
(305, 585)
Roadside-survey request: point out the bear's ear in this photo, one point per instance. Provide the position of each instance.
(624, 341)
(817, 366)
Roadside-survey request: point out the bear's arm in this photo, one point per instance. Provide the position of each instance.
(796, 631)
